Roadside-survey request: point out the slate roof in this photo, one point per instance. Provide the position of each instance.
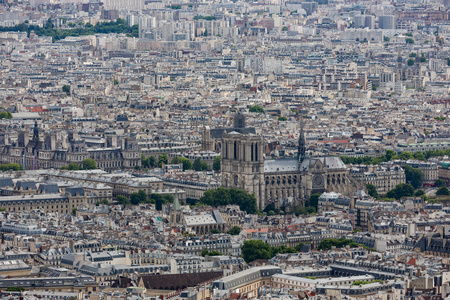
(178, 281)
(4, 182)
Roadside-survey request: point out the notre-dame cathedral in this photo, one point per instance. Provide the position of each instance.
(284, 182)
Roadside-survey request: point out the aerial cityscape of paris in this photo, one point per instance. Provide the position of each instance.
(225, 149)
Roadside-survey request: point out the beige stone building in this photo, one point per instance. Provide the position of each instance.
(384, 178)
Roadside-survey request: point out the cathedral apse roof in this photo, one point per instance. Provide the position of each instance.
(330, 162)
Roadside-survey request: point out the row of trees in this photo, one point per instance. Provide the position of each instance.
(5, 115)
(327, 244)
(198, 165)
(141, 196)
(256, 249)
(87, 164)
(10, 167)
(390, 155)
(119, 26)
(224, 196)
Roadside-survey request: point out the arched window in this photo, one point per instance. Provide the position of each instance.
(226, 150)
(235, 150)
(256, 152)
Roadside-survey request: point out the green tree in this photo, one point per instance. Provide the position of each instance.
(104, 201)
(205, 166)
(284, 28)
(66, 89)
(390, 154)
(327, 244)
(162, 160)
(419, 155)
(216, 163)
(299, 247)
(160, 199)
(15, 289)
(214, 231)
(74, 211)
(439, 183)
(210, 253)
(372, 190)
(122, 200)
(73, 166)
(223, 196)
(220, 196)
(401, 190)
(419, 193)
(442, 191)
(197, 164)
(5, 115)
(405, 155)
(410, 62)
(89, 164)
(413, 176)
(10, 167)
(409, 41)
(234, 230)
(152, 161)
(139, 197)
(282, 119)
(256, 109)
(300, 210)
(255, 249)
(314, 200)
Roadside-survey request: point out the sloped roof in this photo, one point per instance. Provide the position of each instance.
(178, 281)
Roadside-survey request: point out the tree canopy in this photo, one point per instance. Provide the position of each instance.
(118, 26)
(66, 89)
(256, 109)
(401, 190)
(413, 176)
(439, 183)
(314, 200)
(10, 166)
(5, 115)
(372, 190)
(256, 249)
(139, 197)
(224, 196)
(89, 164)
(216, 163)
(163, 159)
(210, 253)
(149, 162)
(442, 191)
(234, 230)
(186, 162)
(327, 244)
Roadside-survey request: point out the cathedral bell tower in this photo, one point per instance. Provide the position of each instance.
(301, 144)
(242, 164)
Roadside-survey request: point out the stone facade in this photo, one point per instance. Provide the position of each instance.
(284, 182)
(384, 178)
(57, 150)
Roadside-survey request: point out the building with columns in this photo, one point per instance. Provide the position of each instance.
(283, 182)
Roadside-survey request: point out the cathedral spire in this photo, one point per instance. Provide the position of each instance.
(36, 131)
(301, 143)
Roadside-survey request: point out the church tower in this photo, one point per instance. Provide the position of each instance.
(301, 144)
(35, 132)
(176, 215)
(242, 164)
(207, 143)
